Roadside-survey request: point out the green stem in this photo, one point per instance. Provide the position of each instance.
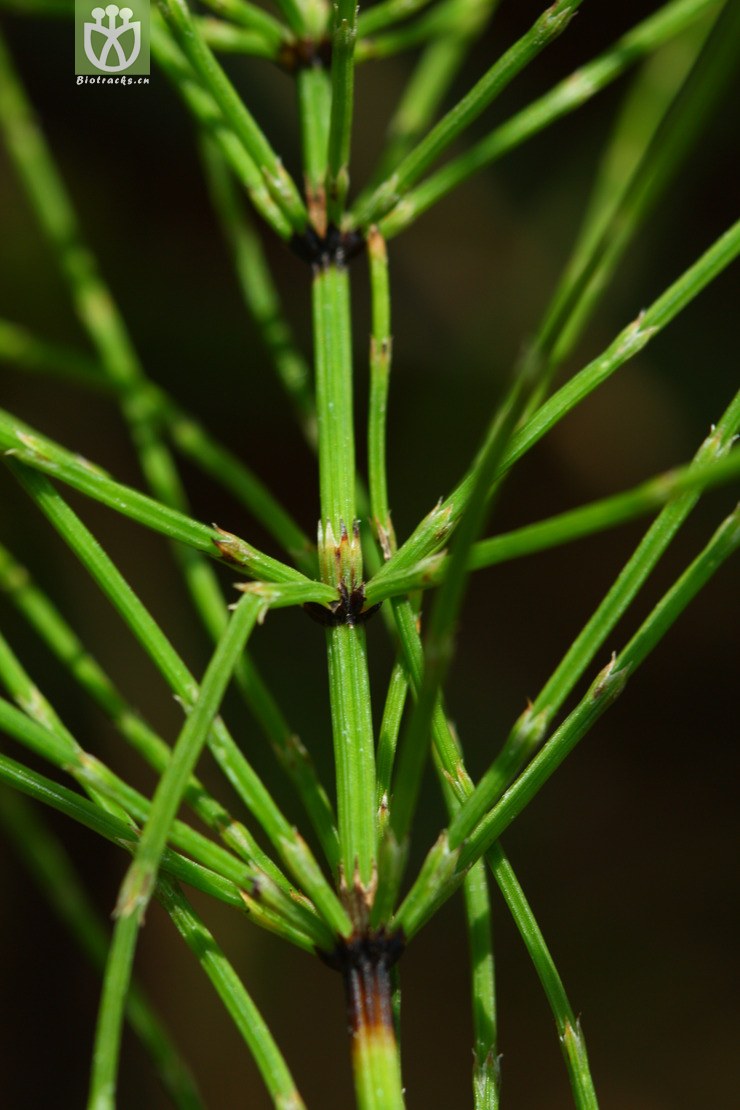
(103, 323)
(568, 1025)
(54, 874)
(386, 13)
(208, 115)
(279, 183)
(138, 886)
(245, 1015)
(435, 529)
(598, 254)
(34, 450)
(375, 1060)
(314, 103)
(342, 95)
(550, 24)
(333, 342)
(442, 872)
(427, 87)
(341, 565)
(352, 727)
(380, 368)
(259, 292)
(45, 735)
(439, 645)
(257, 799)
(248, 15)
(388, 740)
(225, 38)
(574, 524)
(567, 96)
(532, 726)
(94, 817)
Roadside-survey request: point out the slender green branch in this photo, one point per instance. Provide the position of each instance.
(608, 685)
(388, 740)
(100, 318)
(440, 640)
(448, 760)
(486, 1064)
(54, 874)
(427, 87)
(106, 1053)
(486, 1067)
(22, 350)
(279, 183)
(532, 726)
(443, 869)
(277, 904)
(386, 13)
(112, 828)
(38, 451)
(428, 714)
(342, 96)
(632, 339)
(225, 38)
(195, 443)
(598, 254)
(208, 115)
(258, 801)
(231, 991)
(53, 740)
(550, 24)
(138, 886)
(314, 104)
(435, 529)
(570, 94)
(249, 16)
(260, 294)
(571, 1038)
(587, 520)
(380, 367)
(437, 23)
(449, 764)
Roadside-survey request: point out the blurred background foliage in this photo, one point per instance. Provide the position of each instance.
(629, 857)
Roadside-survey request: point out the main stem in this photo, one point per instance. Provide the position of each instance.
(341, 565)
(366, 958)
(365, 964)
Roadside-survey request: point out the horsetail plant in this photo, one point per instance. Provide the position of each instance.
(357, 884)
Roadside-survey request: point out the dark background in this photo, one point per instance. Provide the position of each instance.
(629, 856)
